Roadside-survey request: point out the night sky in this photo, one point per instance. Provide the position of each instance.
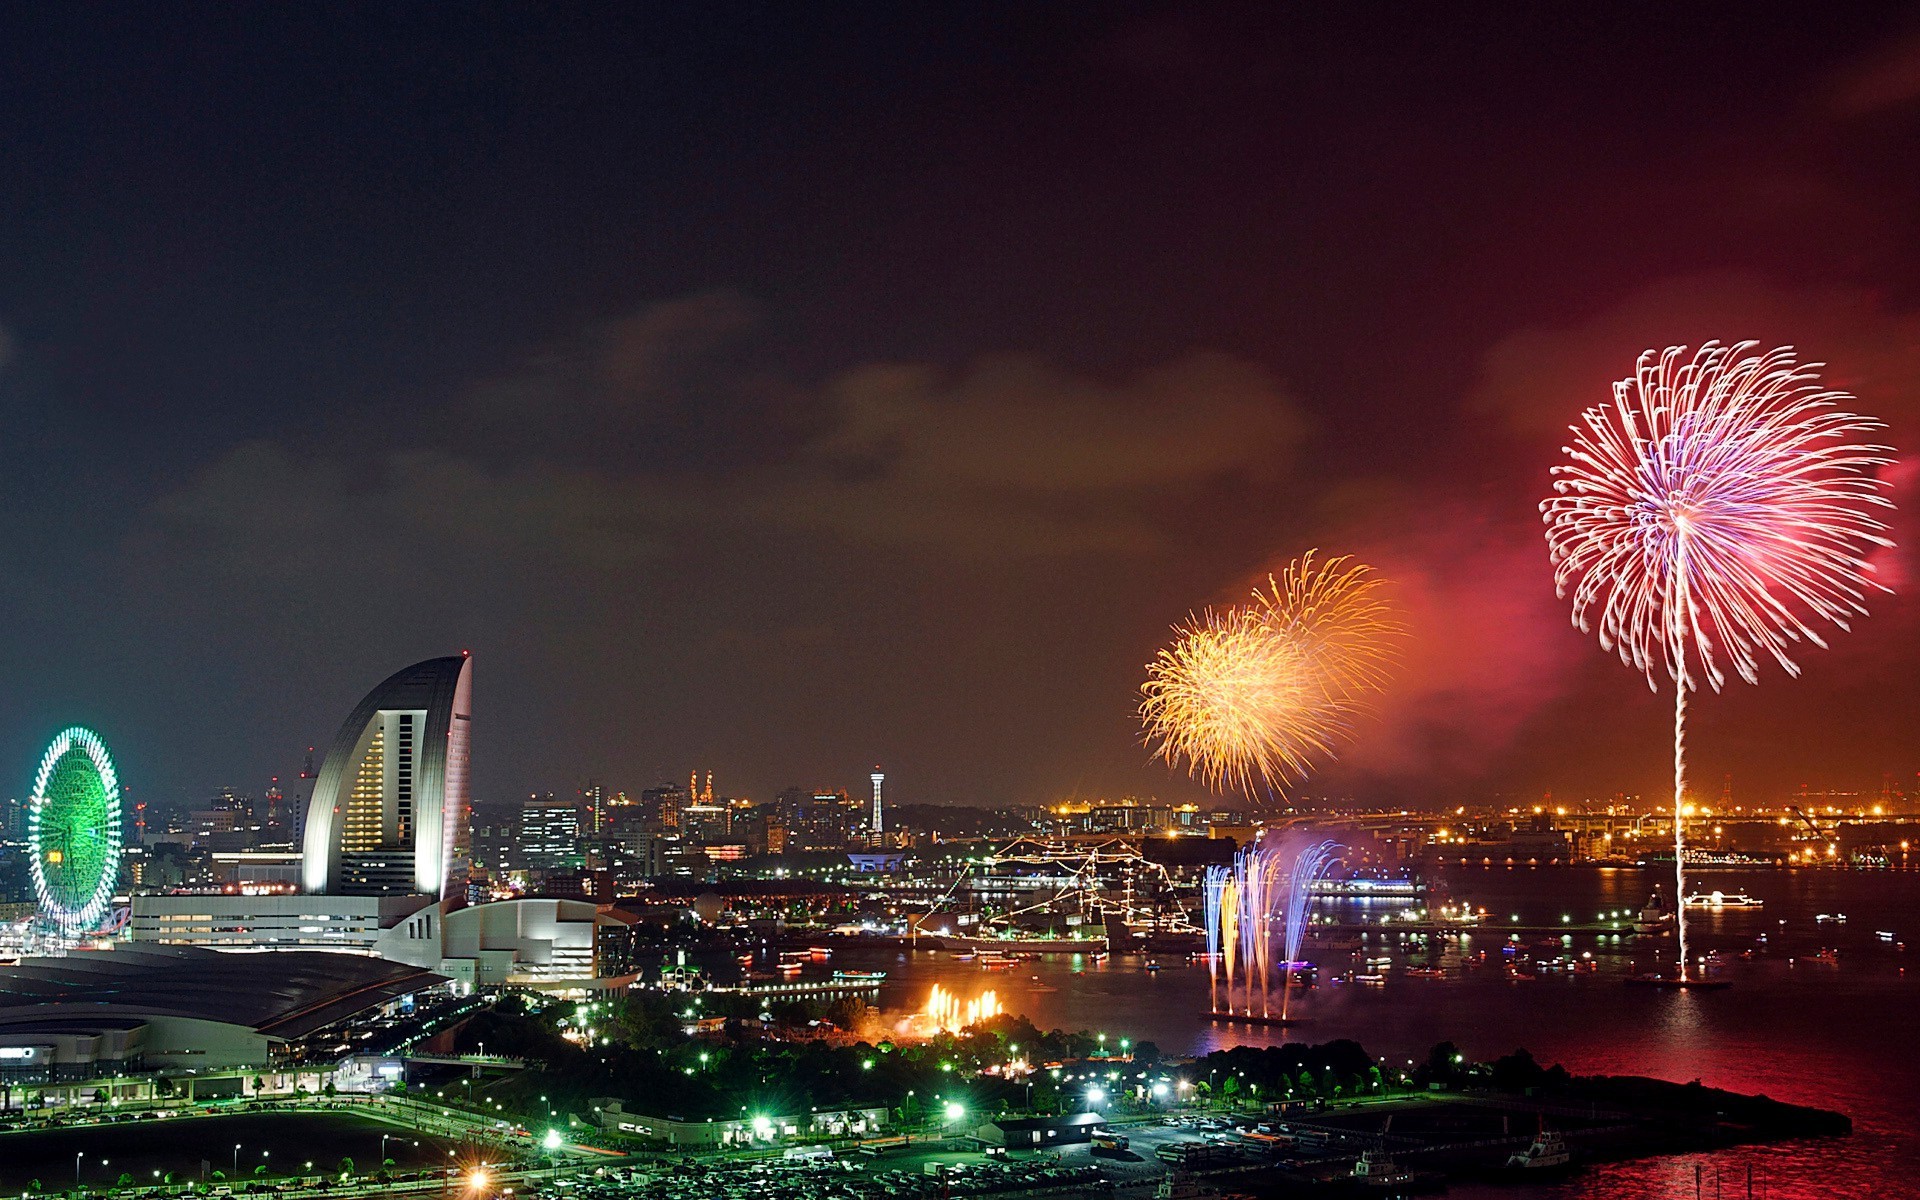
(782, 390)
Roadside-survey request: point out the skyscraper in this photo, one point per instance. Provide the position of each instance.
(393, 788)
(549, 834)
(879, 818)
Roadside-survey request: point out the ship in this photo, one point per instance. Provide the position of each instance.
(1096, 944)
(1716, 860)
(1654, 917)
(1547, 1155)
(1719, 899)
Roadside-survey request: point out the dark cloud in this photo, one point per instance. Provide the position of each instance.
(1011, 456)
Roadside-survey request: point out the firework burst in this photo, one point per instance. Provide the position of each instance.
(1717, 513)
(1259, 693)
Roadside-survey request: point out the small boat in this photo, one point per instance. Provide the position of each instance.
(1099, 956)
(962, 956)
(1426, 972)
(1830, 918)
(1152, 965)
(1371, 980)
(1718, 899)
(1547, 1153)
(860, 976)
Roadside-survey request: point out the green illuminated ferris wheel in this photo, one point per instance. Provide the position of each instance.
(73, 831)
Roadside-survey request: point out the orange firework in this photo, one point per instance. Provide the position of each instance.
(947, 1013)
(1264, 691)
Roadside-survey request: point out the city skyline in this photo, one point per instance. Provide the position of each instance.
(702, 487)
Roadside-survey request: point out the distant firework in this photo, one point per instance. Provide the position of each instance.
(1718, 511)
(1257, 694)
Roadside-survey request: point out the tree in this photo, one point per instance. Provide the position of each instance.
(125, 1180)
(346, 1165)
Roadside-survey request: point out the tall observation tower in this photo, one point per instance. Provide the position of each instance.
(879, 820)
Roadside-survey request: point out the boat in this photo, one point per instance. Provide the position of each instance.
(1719, 899)
(1548, 1153)
(1425, 972)
(1023, 944)
(1376, 1169)
(1654, 917)
(1181, 1186)
(1694, 983)
(1152, 965)
(1830, 918)
(860, 976)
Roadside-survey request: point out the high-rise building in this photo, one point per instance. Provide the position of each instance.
(663, 804)
(393, 788)
(595, 799)
(549, 834)
(706, 824)
(878, 824)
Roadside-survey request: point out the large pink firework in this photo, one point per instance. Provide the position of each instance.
(1719, 511)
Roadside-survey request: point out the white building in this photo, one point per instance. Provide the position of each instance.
(742, 1131)
(550, 944)
(393, 787)
(239, 922)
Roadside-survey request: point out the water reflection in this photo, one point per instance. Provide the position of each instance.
(1831, 1035)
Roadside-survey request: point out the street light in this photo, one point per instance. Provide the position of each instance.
(236, 1160)
(955, 1110)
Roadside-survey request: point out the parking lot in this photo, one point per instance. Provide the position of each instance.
(925, 1174)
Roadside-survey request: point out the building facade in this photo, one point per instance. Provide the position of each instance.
(392, 790)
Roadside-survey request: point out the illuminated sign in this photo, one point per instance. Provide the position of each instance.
(17, 1052)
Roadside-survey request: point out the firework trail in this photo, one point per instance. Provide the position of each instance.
(1717, 513)
(1260, 692)
(1310, 864)
(1262, 891)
